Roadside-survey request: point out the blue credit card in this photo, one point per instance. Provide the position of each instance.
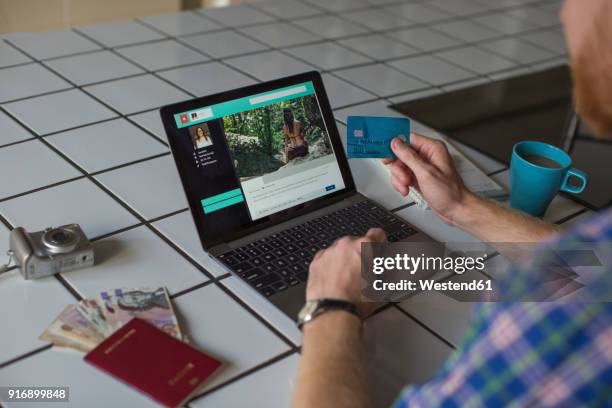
(371, 136)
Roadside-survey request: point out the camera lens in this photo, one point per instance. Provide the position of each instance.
(60, 237)
(60, 240)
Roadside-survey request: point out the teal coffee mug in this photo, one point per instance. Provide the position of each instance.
(537, 172)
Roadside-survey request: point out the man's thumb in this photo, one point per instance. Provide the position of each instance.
(408, 156)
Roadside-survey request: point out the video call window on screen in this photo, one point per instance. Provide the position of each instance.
(277, 147)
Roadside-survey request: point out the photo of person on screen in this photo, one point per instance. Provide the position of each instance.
(281, 136)
(200, 136)
(295, 144)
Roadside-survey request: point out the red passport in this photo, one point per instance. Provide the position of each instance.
(157, 364)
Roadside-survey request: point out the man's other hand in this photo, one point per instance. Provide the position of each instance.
(335, 272)
(426, 164)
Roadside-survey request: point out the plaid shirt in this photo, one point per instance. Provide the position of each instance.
(556, 354)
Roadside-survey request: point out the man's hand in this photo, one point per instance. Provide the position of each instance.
(332, 373)
(335, 273)
(426, 164)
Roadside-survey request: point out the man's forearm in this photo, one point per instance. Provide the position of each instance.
(492, 223)
(331, 372)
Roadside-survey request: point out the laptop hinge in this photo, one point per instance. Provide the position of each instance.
(218, 249)
(227, 246)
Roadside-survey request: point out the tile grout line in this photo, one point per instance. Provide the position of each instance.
(3, 40)
(116, 232)
(496, 172)
(423, 325)
(571, 216)
(38, 95)
(245, 373)
(378, 310)
(8, 225)
(192, 289)
(132, 163)
(402, 207)
(220, 284)
(36, 190)
(75, 293)
(25, 355)
(29, 139)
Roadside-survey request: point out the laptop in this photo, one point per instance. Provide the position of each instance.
(268, 183)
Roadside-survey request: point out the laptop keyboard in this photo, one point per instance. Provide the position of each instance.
(279, 261)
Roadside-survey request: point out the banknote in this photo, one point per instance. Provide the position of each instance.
(371, 136)
(92, 311)
(72, 317)
(65, 335)
(119, 306)
(86, 324)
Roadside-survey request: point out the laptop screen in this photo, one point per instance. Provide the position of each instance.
(249, 158)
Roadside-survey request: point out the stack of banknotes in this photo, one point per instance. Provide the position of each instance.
(84, 325)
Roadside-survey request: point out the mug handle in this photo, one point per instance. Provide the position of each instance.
(571, 189)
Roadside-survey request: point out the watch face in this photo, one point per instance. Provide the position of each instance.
(308, 309)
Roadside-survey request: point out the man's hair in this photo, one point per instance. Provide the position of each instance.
(592, 71)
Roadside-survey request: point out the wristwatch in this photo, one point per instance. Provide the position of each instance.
(317, 307)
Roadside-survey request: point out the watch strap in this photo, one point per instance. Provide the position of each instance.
(327, 305)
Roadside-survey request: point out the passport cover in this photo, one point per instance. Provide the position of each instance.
(157, 364)
(370, 136)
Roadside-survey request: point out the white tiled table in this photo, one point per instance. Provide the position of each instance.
(81, 141)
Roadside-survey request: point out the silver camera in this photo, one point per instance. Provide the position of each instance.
(51, 251)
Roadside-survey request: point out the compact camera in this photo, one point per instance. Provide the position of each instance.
(51, 251)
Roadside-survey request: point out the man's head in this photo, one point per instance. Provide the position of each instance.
(588, 33)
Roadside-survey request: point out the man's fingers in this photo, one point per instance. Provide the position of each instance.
(375, 235)
(399, 186)
(318, 255)
(420, 142)
(402, 173)
(410, 157)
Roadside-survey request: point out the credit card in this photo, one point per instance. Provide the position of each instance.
(371, 136)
